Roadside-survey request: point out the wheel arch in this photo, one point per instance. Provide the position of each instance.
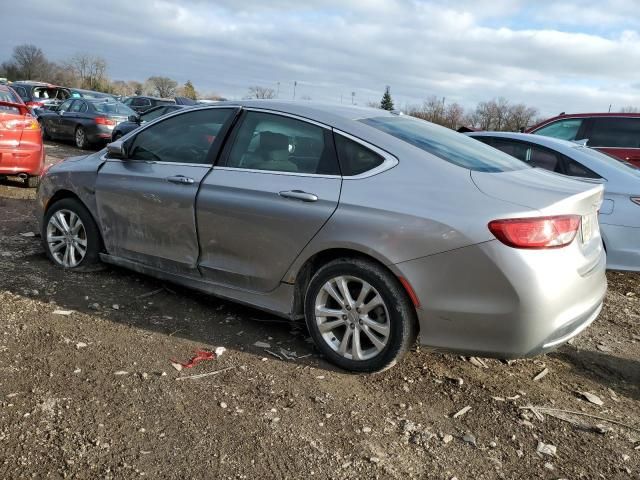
(303, 275)
(64, 194)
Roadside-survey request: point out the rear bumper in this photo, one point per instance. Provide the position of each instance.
(623, 247)
(99, 133)
(492, 300)
(27, 159)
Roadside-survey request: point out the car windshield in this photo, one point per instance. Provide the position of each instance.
(113, 108)
(446, 144)
(609, 160)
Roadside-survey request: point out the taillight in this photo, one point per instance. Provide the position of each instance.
(34, 104)
(536, 232)
(104, 121)
(635, 200)
(20, 124)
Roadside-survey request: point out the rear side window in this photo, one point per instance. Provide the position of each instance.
(355, 158)
(277, 143)
(446, 144)
(614, 132)
(564, 129)
(533, 155)
(576, 169)
(21, 91)
(184, 138)
(9, 96)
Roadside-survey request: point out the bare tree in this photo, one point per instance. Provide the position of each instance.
(29, 62)
(261, 92)
(90, 70)
(630, 109)
(163, 86)
(520, 116)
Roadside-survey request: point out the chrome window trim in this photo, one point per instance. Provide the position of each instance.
(290, 115)
(276, 172)
(388, 163)
(206, 166)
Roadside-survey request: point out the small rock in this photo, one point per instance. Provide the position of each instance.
(121, 372)
(478, 362)
(541, 375)
(142, 430)
(80, 345)
(375, 460)
(219, 351)
(603, 348)
(223, 405)
(625, 457)
(66, 313)
(549, 466)
(447, 438)
(366, 429)
(469, 438)
(115, 306)
(177, 366)
(144, 375)
(596, 400)
(520, 453)
(493, 444)
(28, 234)
(77, 370)
(546, 449)
(262, 344)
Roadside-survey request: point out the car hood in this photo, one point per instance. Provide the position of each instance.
(541, 190)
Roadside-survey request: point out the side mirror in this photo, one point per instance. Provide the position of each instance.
(116, 149)
(134, 118)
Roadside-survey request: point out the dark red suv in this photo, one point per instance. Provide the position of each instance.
(617, 134)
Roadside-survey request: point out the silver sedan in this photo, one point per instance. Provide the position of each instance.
(374, 227)
(620, 212)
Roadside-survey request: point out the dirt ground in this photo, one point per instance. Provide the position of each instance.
(92, 393)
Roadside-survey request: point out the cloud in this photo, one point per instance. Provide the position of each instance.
(549, 55)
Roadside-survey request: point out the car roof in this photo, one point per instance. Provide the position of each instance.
(322, 112)
(583, 115)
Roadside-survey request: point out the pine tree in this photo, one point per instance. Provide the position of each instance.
(189, 90)
(387, 102)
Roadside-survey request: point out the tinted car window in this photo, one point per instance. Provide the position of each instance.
(354, 157)
(21, 91)
(65, 106)
(78, 107)
(564, 129)
(140, 102)
(615, 132)
(533, 155)
(272, 142)
(184, 138)
(576, 169)
(48, 93)
(446, 144)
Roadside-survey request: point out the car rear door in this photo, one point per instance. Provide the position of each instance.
(277, 184)
(617, 136)
(146, 201)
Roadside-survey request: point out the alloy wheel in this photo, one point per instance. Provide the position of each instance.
(66, 238)
(80, 138)
(352, 318)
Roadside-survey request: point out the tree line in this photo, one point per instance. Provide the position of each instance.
(83, 70)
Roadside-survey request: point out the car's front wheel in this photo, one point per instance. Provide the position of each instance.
(359, 316)
(70, 235)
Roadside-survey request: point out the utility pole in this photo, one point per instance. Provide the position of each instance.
(353, 98)
(278, 91)
(295, 84)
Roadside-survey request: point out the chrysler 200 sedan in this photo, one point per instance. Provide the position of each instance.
(374, 227)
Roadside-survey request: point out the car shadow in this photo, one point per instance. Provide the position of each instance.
(607, 369)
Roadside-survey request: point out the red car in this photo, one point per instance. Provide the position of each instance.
(617, 134)
(21, 147)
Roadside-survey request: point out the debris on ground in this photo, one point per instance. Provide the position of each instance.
(592, 398)
(200, 356)
(541, 375)
(461, 412)
(546, 449)
(260, 344)
(66, 313)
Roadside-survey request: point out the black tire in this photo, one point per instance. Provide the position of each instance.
(33, 181)
(45, 133)
(401, 313)
(93, 238)
(80, 138)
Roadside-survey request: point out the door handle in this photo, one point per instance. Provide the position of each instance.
(181, 179)
(299, 195)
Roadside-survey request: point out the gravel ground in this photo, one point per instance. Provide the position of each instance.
(87, 388)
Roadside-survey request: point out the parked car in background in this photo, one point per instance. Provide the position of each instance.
(85, 121)
(135, 121)
(21, 148)
(39, 94)
(370, 225)
(141, 104)
(620, 212)
(617, 134)
(80, 93)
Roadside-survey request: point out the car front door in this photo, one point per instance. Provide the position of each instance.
(54, 122)
(146, 201)
(277, 184)
(71, 117)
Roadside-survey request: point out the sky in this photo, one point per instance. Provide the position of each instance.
(569, 55)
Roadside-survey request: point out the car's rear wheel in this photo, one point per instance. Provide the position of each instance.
(81, 138)
(71, 237)
(45, 133)
(359, 316)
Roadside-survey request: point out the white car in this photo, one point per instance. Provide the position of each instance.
(620, 212)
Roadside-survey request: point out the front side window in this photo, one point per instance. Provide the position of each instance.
(65, 106)
(615, 132)
(271, 142)
(446, 144)
(564, 129)
(184, 138)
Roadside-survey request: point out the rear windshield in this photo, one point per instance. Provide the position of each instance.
(113, 108)
(9, 96)
(446, 144)
(611, 161)
(48, 93)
